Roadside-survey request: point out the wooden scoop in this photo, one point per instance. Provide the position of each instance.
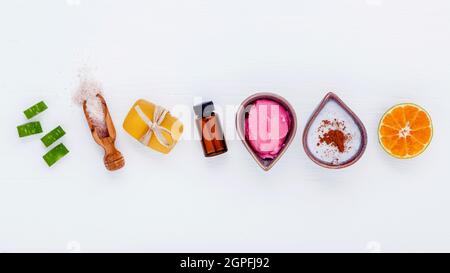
(113, 158)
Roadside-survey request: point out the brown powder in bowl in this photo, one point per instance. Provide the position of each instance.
(335, 138)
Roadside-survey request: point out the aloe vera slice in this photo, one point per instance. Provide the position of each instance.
(32, 128)
(53, 136)
(35, 110)
(55, 154)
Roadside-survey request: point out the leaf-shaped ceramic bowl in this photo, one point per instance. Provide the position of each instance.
(332, 108)
(242, 114)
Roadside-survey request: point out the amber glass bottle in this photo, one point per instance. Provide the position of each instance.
(211, 133)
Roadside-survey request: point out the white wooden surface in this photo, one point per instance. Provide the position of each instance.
(373, 53)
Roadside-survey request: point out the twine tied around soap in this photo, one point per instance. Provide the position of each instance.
(154, 127)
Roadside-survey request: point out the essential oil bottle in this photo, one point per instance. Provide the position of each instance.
(210, 129)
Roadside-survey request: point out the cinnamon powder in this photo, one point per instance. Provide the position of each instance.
(334, 133)
(335, 138)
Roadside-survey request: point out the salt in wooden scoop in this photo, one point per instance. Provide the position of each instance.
(113, 158)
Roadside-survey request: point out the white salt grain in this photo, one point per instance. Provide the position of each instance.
(87, 91)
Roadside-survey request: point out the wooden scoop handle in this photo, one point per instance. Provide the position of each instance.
(113, 158)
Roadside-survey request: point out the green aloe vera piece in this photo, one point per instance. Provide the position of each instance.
(35, 110)
(53, 136)
(32, 128)
(55, 154)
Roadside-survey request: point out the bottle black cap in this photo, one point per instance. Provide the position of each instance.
(204, 110)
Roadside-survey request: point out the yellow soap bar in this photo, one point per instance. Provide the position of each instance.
(138, 128)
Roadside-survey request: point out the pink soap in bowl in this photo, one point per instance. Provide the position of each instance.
(266, 124)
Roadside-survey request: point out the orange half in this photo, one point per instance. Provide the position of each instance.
(405, 131)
